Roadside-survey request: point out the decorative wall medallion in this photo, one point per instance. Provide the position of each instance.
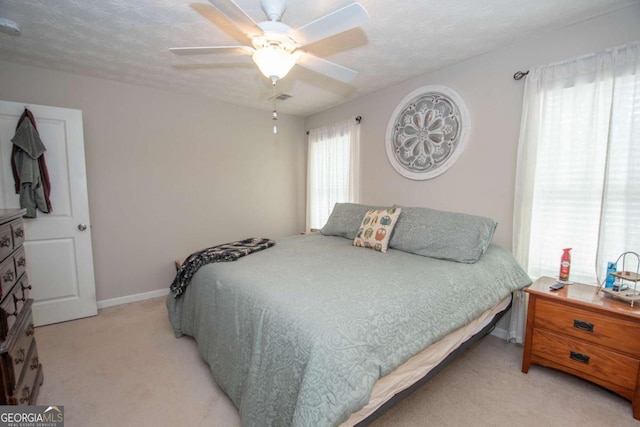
(427, 132)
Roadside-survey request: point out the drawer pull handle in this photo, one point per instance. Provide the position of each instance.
(582, 325)
(19, 356)
(26, 394)
(34, 363)
(579, 357)
(30, 330)
(17, 301)
(8, 276)
(5, 241)
(19, 232)
(22, 262)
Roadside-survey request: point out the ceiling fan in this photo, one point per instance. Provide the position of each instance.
(275, 47)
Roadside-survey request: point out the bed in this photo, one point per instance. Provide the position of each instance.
(302, 333)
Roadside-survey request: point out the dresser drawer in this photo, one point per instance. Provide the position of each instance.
(586, 325)
(22, 292)
(17, 232)
(590, 359)
(11, 307)
(6, 241)
(24, 393)
(8, 316)
(18, 353)
(7, 276)
(20, 260)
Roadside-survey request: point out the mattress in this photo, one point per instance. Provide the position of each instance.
(422, 363)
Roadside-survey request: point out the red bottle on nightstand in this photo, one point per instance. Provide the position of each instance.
(565, 265)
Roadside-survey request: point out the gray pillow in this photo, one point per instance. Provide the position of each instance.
(444, 235)
(345, 220)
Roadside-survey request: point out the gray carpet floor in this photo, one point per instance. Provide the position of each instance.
(124, 367)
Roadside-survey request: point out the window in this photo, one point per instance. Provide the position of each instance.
(332, 170)
(578, 181)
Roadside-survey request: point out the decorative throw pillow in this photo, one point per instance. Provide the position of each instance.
(376, 228)
(345, 220)
(445, 235)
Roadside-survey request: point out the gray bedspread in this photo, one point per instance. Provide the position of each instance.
(298, 334)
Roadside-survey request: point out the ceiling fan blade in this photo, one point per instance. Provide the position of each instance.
(211, 49)
(238, 16)
(341, 20)
(327, 68)
(212, 66)
(221, 21)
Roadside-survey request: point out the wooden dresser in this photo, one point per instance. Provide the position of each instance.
(20, 368)
(585, 334)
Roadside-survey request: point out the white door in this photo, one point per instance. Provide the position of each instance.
(58, 244)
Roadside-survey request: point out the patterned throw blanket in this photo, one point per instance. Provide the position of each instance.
(220, 253)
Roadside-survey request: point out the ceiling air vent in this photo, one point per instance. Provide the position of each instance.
(283, 97)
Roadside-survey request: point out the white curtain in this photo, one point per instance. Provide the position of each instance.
(578, 167)
(332, 169)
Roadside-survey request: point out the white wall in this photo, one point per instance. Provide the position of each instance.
(482, 180)
(169, 174)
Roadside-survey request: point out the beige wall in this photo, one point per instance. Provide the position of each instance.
(168, 174)
(482, 180)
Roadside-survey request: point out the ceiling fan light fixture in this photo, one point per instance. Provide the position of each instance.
(274, 62)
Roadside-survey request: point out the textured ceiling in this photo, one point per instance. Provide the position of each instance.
(128, 41)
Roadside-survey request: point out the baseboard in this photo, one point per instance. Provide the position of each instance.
(132, 298)
(500, 333)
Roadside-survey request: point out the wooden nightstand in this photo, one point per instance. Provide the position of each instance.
(585, 334)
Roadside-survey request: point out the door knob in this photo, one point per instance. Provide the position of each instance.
(82, 227)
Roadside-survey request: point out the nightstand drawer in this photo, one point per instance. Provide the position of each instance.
(588, 326)
(589, 359)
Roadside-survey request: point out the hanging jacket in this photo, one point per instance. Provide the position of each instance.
(29, 167)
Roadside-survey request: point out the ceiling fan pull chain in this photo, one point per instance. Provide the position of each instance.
(275, 113)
